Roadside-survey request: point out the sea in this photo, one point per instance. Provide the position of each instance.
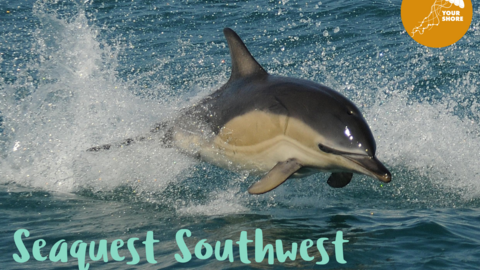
(76, 74)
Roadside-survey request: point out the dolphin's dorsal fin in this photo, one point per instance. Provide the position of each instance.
(276, 176)
(243, 63)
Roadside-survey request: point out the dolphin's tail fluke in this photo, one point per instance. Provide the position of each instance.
(121, 144)
(161, 132)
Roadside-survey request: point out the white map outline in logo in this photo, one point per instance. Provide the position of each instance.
(435, 12)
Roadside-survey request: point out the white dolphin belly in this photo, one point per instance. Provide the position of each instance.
(263, 156)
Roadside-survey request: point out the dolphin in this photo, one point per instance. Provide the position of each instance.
(284, 127)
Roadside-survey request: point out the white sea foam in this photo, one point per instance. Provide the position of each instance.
(79, 102)
(430, 141)
(220, 203)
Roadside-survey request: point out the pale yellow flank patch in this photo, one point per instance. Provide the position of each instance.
(258, 140)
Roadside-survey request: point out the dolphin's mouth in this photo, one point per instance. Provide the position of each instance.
(372, 166)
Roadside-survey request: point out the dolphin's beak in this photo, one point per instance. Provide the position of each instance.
(372, 166)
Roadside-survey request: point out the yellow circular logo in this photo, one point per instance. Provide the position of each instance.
(436, 23)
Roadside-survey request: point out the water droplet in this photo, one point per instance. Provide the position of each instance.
(16, 146)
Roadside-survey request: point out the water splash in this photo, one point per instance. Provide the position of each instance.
(72, 99)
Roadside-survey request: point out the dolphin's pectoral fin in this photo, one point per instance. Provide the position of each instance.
(339, 179)
(275, 177)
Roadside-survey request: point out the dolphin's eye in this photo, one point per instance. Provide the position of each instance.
(350, 112)
(325, 149)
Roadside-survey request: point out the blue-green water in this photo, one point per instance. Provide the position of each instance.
(78, 74)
